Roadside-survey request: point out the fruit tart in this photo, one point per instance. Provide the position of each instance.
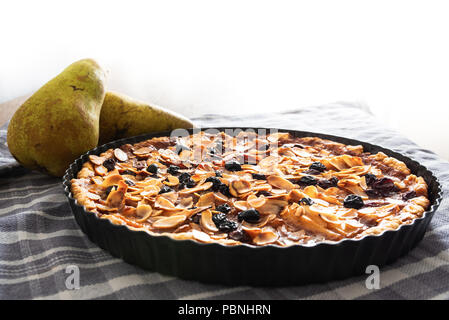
(250, 188)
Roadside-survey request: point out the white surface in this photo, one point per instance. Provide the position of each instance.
(240, 56)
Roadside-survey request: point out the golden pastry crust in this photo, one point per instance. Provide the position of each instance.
(250, 188)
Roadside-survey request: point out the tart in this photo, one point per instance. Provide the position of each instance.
(252, 188)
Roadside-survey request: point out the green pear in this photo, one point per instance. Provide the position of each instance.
(60, 121)
(122, 117)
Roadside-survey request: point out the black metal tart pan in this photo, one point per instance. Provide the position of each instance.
(250, 265)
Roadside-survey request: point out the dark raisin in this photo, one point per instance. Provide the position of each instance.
(109, 189)
(165, 189)
(325, 184)
(173, 170)
(308, 181)
(240, 235)
(109, 164)
(318, 166)
(312, 172)
(384, 185)
(128, 172)
(250, 215)
(216, 183)
(219, 174)
(373, 193)
(129, 183)
(225, 208)
(180, 147)
(258, 176)
(189, 183)
(218, 218)
(152, 168)
(224, 189)
(227, 226)
(184, 176)
(353, 201)
(306, 201)
(233, 166)
(409, 195)
(370, 178)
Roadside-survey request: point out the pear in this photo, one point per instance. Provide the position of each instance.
(60, 121)
(122, 117)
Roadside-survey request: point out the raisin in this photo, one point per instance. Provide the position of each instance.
(180, 147)
(225, 208)
(152, 168)
(184, 176)
(306, 201)
(409, 195)
(318, 166)
(240, 235)
(227, 226)
(250, 215)
(216, 183)
(173, 170)
(373, 193)
(353, 201)
(109, 189)
(233, 166)
(325, 184)
(384, 185)
(370, 178)
(258, 176)
(263, 193)
(165, 189)
(109, 164)
(218, 218)
(219, 174)
(129, 183)
(308, 181)
(312, 171)
(224, 189)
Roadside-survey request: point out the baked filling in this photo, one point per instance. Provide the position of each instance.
(250, 188)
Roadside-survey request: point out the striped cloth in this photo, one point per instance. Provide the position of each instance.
(39, 237)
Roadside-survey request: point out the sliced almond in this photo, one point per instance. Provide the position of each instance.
(239, 187)
(143, 151)
(169, 222)
(255, 201)
(207, 199)
(266, 237)
(311, 191)
(111, 180)
(201, 187)
(280, 183)
(143, 211)
(241, 205)
(163, 203)
(150, 191)
(116, 198)
(120, 154)
(96, 160)
(273, 206)
(200, 236)
(171, 181)
(207, 222)
(101, 170)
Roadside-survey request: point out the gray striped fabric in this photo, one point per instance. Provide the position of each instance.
(39, 237)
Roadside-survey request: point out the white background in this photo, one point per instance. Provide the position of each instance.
(243, 56)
